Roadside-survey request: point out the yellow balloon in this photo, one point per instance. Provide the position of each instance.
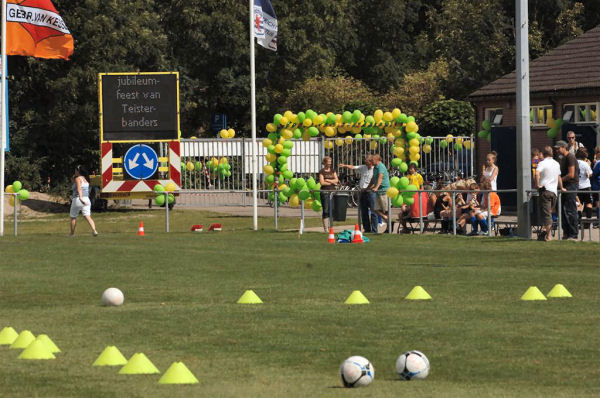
(288, 114)
(413, 149)
(339, 142)
(230, 133)
(9, 189)
(427, 148)
(387, 116)
(223, 133)
(338, 117)
(11, 200)
(367, 137)
(397, 132)
(392, 192)
(318, 119)
(294, 200)
(170, 186)
(223, 160)
(190, 166)
(378, 115)
(459, 140)
(413, 142)
(214, 162)
(396, 112)
(294, 119)
(356, 129)
(307, 122)
(271, 128)
(399, 142)
(266, 142)
(271, 157)
(329, 131)
(281, 140)
(373, 145)
(415, 157)
(268, 169)
(398, 151)
(390, 137)
(282, 187)
(412, 127)
(308, 203)
(278, 148)
(389, 129)
(305, 136)
(328, 144)
(467, 144)
(283, 121)
(449, 138)
(287, 134)
(348, 140)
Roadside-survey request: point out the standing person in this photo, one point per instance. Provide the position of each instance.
(414, 177)
(547, 181)
(569, 174)
(573, 145)
(329, 179)
(490, 170)
(366, 202)
(596, 182)
(585, 172)
(379, 184)
(81, 201)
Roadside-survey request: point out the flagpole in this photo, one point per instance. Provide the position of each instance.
(253, 112)
(4, 117)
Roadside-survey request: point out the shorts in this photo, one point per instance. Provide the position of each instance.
(585, 197)
(381, 203)
(77, 206)
(547, 202)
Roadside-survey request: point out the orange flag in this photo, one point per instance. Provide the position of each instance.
(34, 28)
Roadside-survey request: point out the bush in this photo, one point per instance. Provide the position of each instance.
(447, 117)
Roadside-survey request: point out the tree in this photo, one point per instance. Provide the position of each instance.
(447, 117)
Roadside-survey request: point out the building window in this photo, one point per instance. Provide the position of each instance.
(494, 115)
(581, 113)
(539, 115)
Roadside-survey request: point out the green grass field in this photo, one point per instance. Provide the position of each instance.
(181, 288)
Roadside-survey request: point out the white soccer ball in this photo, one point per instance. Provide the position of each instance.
(412, 365)
(112, 296)
(357, 371)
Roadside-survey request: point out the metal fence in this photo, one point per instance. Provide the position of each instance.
(206, 187)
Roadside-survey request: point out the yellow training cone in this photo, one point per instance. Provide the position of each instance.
(533, 293)
(49, 343)
(111, 356)
(8, 335)
(138, 364)
(559, 290)
(23, 340)
(418, 293)
(178, 373)
(249, 297)
(356, 297)
(37, 350)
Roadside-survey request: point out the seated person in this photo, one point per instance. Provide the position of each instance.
(412, 212)
(445, 201)
(469, 208)
(480, 215)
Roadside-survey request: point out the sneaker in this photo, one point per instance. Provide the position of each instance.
(95, 233)
(473, 233)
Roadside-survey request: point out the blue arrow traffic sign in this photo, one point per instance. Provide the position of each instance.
(140, 162)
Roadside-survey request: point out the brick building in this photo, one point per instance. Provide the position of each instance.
(564, 83)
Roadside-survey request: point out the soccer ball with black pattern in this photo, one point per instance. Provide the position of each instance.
(357, 371)
(412, 365)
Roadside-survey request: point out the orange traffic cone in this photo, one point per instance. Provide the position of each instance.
(331, 238)
(357, 235)
(141, 229)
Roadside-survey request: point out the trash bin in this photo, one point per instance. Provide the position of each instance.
(340, 204)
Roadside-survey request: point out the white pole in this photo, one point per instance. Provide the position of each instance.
(253, 111)
(523, 129)
(4, 116)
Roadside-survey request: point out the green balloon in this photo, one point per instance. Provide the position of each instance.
(403, 183)
(301, 116)
(23, 194)
(270, 149)
(283, 167)
(270, 179)
(159, 188)
(443, 144)
(409, 201)
(482, 134)
(313, 131)
(403, 167)
(282, 159)
(552, 133)
(159, 200)
(398, 201)
(271, 196)
(293, 182)
(304, 194)
(299, 183)
(287, 191)
(310, 114)
(347, 117)
(273, 137)
(198, 166)
(410, 136)
(17, 186)
(458, 147)
(289, 144)
(410, 119)
(311, 183)
(396, 162)
(394, 181)
(316, 205)
(297, 134)
(358, 137)
(486, 125)
(402, 118)
(282, 197)
(356, 116)
(331, 119)
(429, 140)
(276, 119)
(286, 152)
(171, 198)
(287, 174)
(370, 119)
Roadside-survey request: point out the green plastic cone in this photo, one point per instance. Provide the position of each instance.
(356, 297)
(178, 373)
(8, 335)
(49, 343)
(111, 356)
(249, 297)
(533, 293)
(37, 350)
(138, 364)
(23, 340)
(559, 290)
(418, 293)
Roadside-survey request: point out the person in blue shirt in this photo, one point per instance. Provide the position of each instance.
(379, 185)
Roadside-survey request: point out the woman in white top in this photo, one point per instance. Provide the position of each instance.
(490, 170)
(81, 201)
(585, 172)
